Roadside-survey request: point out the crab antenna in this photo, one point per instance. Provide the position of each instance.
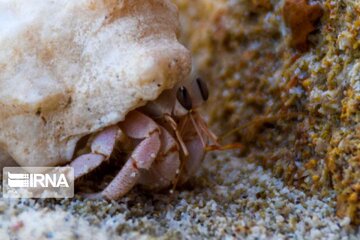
(226, 147)
(173, 125)
(216, 146)
(206, 129)
(197, 129)
(177, 178)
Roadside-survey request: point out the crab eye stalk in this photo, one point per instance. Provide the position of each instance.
(203, 88)
(184, 98)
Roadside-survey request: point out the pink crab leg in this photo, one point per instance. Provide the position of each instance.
(137, 126)
(104, 141)
(101, 149)
(86, 163)
(166, 165)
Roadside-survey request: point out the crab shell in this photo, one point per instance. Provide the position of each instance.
(70, 68)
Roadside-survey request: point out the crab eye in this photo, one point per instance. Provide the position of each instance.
(184, 98)
(204, 90)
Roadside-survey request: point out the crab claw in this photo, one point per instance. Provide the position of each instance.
(193, 162)
(166, 165)
(196, 136)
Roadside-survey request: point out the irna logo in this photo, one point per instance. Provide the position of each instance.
(38, 182)
(35, 180)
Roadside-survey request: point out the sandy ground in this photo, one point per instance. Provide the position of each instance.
(229, 199)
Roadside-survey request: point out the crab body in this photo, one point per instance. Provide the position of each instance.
(70, 69)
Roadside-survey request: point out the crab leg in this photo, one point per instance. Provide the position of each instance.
(104, 142)
(101, 149)
(86, 163)
(136, 126)
(166, 165)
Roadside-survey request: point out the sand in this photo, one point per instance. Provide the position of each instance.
(229, 199)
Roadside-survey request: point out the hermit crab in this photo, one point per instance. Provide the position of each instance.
(79, 77)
